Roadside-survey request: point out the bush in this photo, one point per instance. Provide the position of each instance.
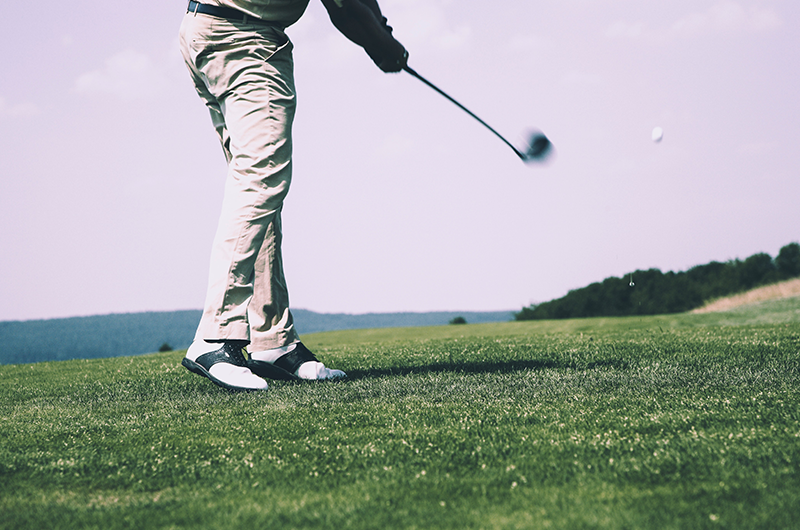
(458, 320)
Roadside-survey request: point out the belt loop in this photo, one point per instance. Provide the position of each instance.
(244, 20)
(196, 7)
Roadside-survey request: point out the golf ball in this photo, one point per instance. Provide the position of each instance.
(658, 134)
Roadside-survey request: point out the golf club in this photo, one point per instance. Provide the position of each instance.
(537, 147)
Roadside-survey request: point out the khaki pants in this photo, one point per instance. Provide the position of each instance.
(244, 74)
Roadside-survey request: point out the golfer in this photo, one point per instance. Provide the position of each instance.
(240, 60)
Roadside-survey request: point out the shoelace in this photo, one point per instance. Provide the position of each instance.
(234, 350)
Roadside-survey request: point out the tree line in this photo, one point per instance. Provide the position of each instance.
(652, 292)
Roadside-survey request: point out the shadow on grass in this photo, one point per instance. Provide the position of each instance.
(483, 368)
(476, 367)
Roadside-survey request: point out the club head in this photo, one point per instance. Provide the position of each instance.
(538, 148)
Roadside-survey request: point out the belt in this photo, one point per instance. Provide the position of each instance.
(228, 13)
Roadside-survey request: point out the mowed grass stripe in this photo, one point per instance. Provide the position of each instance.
(684, 421)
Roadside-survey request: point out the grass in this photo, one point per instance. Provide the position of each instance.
(683, 421)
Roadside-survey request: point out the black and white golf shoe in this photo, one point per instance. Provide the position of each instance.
(224, 364)
(292, 362)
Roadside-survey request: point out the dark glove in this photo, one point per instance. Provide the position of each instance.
(390, 57)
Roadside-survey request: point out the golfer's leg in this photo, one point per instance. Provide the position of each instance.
(193, 38)
(221, 363)
(256, 95)
(271, 322)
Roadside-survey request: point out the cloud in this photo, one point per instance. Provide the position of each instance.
(723, 17)
(428, 22)
(454, 38)
(128, 74)
(418, 24)
(577, 78)
(727, 17)
(394, 146)
(528, 43)
(23, 109)
(622, 29)
(757, 149)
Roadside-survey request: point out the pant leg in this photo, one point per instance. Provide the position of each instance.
(244, 75)
(271, 322)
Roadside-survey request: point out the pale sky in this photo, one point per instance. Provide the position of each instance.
(112, 176)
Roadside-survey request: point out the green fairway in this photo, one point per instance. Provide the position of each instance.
(681, 421)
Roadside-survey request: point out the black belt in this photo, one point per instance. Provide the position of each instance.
(228, 13)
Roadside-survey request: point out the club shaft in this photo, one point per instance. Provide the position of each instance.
(462, 107)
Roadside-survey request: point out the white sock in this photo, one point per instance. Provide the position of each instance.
(312, 370)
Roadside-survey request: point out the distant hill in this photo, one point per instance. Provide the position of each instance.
(652, 292)
(126, 334)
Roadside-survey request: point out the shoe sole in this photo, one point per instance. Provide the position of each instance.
(199, 370)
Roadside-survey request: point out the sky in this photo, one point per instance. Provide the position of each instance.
(112, 176)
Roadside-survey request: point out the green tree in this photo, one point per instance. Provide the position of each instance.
(756, 270)
(788, 261)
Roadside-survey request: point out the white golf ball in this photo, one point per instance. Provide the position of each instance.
(658, 134)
